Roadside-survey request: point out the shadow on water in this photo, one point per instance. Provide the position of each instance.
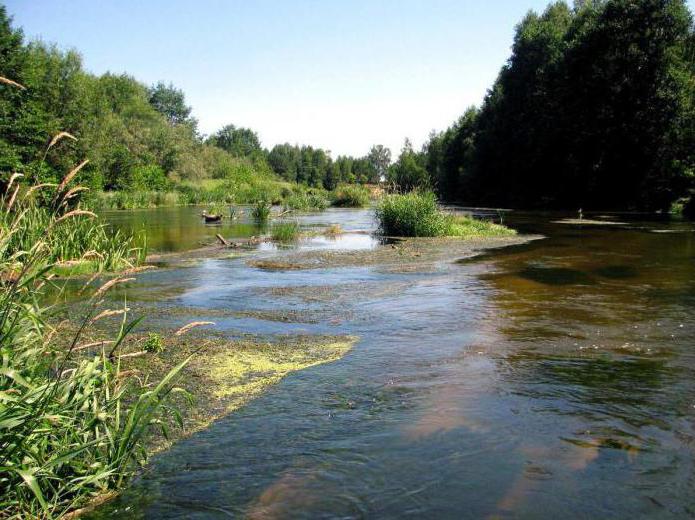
(553, 379)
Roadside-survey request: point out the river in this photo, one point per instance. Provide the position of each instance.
(551, 379)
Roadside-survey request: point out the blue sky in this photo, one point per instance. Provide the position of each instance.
(341, 75)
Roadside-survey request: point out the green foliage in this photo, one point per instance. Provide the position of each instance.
(171, 103)
(311, 200)
(261, 211)
(154, 343)
(416, 214)
(595, 108)
(73, 424)
(351, 196)
(238, 142)
(314, 167)
(285, 231)
(409, 172)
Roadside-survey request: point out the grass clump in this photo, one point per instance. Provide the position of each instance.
(351, 196)
(261, 211)
(154, 343)
(285, 231)
(306, 201)
(417, 214)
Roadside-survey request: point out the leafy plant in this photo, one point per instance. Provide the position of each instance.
(154, 343)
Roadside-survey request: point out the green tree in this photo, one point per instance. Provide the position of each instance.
(171, 103)
(240, 142)
(379, 158)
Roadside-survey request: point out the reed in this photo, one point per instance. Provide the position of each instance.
(261, 211)
(417, 214)
(72, 425)
(285, 231)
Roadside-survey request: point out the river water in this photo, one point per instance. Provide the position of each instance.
(552, 379)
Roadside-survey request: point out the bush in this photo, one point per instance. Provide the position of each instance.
(416, 214)
(351, 196)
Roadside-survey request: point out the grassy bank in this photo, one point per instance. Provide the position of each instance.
(417, 214)
(217, 191)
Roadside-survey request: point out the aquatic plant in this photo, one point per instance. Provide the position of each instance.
(261, 211)
(351, 196)
(285, 231)
(417, 214)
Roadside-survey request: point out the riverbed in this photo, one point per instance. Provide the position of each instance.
(547, 379)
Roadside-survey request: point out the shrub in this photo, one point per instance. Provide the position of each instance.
(416, 214)
(351, 196)
(306, 201)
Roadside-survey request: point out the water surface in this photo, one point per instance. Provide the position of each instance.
(553, 379)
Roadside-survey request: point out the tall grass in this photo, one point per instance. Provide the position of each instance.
(284, 231)
(81, 240)
(417, 214)
(313, 200)
(72, 425)
(351, 196)
(208, 191)
(261, 211)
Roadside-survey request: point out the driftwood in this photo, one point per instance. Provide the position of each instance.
(222, 240)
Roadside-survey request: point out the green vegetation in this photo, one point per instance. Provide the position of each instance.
(73, 424)
(312, 200)
(595, 108)
(154, 343)
(416, 214)
(261, 211)
(284, 231)
(143, 144)
(351, 196)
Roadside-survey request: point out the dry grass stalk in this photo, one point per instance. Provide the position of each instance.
(109, 312)
(12, 83)
(75, 213)
(60, 136)
(192, 325)
(99, 292)
(101, 343)
(71, 175)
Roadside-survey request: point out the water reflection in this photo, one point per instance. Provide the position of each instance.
(553, 379)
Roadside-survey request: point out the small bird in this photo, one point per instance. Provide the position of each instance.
(581, 214)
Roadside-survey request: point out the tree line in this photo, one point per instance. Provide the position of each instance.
(136, 136)
(595, 108)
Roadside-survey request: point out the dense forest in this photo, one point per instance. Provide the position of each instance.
(137, 137)
(595, 108)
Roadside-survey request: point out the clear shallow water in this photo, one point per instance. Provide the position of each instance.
(553, 379)
(172, 229)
